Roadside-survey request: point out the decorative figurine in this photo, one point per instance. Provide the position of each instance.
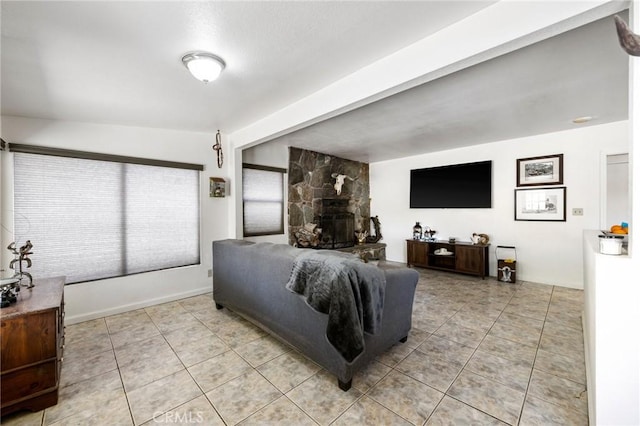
(361, 236)
(376, 235)
(430, 232)
(482, 239)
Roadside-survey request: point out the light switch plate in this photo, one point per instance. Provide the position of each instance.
(578, 211)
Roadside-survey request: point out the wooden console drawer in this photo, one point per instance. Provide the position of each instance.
(29, 380)
(28, 339)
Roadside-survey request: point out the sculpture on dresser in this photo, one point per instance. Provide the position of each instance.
(10, 287)
(21, 256)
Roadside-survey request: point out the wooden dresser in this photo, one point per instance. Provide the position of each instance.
(32, 335)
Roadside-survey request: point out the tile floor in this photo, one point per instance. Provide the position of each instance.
(481, 352)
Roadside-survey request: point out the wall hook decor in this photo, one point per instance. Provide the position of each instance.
(218, 149)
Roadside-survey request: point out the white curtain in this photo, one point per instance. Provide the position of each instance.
(91, 219)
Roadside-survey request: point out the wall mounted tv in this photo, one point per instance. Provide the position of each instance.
(455, 186)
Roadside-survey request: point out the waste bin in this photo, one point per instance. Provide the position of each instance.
(506, 256)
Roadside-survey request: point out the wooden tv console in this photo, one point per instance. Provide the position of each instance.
(32, 336)
(465, 258)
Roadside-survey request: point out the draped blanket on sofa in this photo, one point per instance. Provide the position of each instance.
(350, 291)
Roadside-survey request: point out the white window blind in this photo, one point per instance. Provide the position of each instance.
(90, 219)
(262, 200)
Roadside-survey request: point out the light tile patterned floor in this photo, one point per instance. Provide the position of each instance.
(481, 352)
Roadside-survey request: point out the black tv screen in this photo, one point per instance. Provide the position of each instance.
(456, 186)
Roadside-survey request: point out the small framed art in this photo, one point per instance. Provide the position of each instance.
(216, 187)
(541, 204)
(535, 171)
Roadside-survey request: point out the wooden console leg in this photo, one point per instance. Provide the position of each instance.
(344, 386)
(404, 339)
(219, 306)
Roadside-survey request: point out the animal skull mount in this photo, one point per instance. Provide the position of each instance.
(629, 41)
(339, 181)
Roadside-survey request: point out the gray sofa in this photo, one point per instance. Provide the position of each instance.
(251, 278)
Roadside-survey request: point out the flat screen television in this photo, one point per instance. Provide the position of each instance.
(452, 187)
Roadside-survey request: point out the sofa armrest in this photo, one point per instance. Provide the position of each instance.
(399, 294)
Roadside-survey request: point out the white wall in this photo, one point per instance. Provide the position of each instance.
(611, 323)
(547, 252)
(273, 156)
(106, 297)
(618, 208)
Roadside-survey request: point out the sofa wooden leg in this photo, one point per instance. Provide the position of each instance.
(219, 306)
(344, 386)
(404, 339)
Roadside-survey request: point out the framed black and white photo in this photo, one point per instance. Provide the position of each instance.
(535, 171)
(541, 204)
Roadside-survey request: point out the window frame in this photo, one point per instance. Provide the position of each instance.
(124, 160)
(281, 229)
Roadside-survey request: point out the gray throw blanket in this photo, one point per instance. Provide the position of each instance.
(350, 291)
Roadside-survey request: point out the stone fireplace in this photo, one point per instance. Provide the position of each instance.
(313, 199)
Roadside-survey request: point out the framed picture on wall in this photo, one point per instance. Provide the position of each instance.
(216, 187)
(535, 171)
(541, 204)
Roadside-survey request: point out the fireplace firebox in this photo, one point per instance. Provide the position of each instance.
(337, 224)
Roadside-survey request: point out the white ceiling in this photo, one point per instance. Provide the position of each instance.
(119, 63)
(535, 90)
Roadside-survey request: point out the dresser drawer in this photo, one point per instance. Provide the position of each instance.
(29, 380)
(29, 339)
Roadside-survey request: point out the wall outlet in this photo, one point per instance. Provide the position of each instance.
(210, 273)
(578, 211)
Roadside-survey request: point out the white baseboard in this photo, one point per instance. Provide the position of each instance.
(133, 306)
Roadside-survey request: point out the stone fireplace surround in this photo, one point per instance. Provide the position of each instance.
(311, 182)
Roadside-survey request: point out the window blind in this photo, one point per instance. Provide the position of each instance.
(91, 219)
(263, 200)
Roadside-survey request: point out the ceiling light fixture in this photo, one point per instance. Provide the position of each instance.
(582, 120)
(204, 66)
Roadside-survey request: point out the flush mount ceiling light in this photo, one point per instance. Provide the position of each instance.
(204, 66)
(582, 120)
